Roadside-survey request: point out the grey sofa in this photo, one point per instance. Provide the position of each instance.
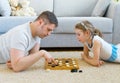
(70, 12)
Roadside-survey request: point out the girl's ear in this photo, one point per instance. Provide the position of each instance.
(87, 32)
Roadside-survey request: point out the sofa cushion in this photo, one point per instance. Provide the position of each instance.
(100, 7)
(74, 7)
(67, 24)
(5, 9)
(66, 40)
(12, 21)
(41, 5)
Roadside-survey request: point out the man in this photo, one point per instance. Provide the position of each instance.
(19, 47)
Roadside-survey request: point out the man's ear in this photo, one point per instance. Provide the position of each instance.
(41, 22)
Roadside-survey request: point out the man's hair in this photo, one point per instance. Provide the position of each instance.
(49, 16)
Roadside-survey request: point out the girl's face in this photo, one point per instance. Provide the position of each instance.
(81, 36)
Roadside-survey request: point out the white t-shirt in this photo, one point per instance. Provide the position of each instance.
(19, 37)
(108, 52)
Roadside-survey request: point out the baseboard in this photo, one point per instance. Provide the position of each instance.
(63, 49)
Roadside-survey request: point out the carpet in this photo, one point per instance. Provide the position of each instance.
(108, 73)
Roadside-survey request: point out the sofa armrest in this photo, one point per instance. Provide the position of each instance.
(114, 13)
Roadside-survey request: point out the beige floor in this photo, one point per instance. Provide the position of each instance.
(108, 73)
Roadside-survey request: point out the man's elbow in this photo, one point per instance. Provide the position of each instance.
(17, 69)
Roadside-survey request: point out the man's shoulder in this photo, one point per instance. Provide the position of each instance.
(25, 25)
(20, 28)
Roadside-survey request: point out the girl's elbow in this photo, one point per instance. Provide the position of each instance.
(96, 64)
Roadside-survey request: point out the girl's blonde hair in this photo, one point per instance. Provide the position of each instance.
(86, 25)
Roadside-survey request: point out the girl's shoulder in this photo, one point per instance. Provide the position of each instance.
(97, 39)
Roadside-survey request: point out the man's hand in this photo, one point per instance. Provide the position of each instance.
(8, 63)
(49, 58)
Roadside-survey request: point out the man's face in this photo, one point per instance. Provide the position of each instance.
(46, 29)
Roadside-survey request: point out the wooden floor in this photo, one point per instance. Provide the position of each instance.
(64, 49)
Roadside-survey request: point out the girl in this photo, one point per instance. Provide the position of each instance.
(92, 40)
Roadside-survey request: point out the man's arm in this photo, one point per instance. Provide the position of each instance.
(35, 48)
(21, 62)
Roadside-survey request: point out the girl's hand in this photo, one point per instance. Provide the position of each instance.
(100, 63)
(83, 56)
(97, 63)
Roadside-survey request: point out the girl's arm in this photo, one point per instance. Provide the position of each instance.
(86, 51)
(96, 52)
